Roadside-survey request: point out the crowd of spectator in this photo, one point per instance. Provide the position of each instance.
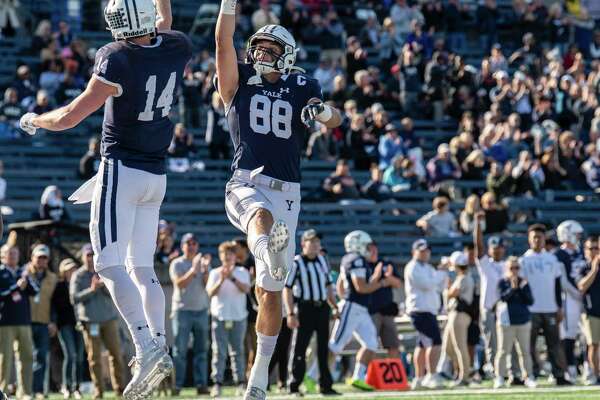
(527, 120)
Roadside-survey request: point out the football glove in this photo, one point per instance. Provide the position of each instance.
(310, 112)
(26, 125)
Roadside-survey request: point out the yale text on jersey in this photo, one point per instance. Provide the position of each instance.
(277, 95)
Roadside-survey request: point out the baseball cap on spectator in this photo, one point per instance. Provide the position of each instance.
(443, 148)
(162, 224)
(390, 128)
(187, 237)
(500, 75)
(495, 241)
(310, 234)
(420, 244)
(520, 76)
(497, 46)
(550, 125)
(66, 265)
(87, 249)
(567, 78)
(459, 258)
(41, 250)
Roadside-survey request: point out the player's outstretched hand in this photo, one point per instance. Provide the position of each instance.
(26, 125)
(310, 112)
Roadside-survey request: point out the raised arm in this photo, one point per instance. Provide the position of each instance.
(165, 18)
(478, 234)
(227, 69)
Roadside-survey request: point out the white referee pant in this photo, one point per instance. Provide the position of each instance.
(355, 321)
(249, 191)
(124, 215)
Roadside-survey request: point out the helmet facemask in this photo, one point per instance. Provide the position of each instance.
(277, 63)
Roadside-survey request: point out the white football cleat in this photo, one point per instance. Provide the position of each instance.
(279, 238)
(150, 369)
(530, 383)
(499, 382)
(417, 383)
(254, 393)
(435, 381)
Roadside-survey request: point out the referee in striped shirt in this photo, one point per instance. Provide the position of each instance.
(309, 297)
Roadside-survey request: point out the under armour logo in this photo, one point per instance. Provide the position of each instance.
(289, 203)
(284, 90)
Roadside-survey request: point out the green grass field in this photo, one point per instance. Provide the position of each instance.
(541, 393)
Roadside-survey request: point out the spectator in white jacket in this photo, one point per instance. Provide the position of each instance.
(424, 285)
(543, 272)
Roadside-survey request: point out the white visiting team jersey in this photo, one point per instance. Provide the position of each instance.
(541, 270)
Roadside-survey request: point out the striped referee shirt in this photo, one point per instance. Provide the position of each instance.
(309, 279)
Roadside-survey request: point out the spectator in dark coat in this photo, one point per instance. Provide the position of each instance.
(322, 145)
(10, 113)
(442, 167)
(496, 216)
(90, 162)
(514, 323)
(26, 88)
(71, 341)
(52, 205)
(16, 289)
(375, 189)
(340, 185)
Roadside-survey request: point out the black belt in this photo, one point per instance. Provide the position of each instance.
(312, 303)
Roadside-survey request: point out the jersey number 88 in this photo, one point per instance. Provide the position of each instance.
(271, 116)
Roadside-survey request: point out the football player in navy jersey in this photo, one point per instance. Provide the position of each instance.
(267, 108)
(357, 282)
(569, 234)
(135, 77)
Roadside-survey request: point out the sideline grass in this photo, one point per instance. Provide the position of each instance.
(542, 393)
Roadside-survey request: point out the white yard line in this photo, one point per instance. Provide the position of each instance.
(443, 392)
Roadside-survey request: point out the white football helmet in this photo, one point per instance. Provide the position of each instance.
(569, 231)
(283, 63)
(130, 18)
(358, 242)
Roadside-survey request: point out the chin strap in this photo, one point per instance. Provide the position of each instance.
(257, 78)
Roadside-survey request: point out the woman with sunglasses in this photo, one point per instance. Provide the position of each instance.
(514, 323)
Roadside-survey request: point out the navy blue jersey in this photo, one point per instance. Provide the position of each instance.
(382, 299)
(591, 298)
(136, 128)
(265, 124)
(573, 261)
(355, 264)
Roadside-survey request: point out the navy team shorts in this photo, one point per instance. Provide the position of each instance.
(427, 328)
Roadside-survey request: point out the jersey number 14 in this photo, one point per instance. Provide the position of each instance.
(164, 101)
